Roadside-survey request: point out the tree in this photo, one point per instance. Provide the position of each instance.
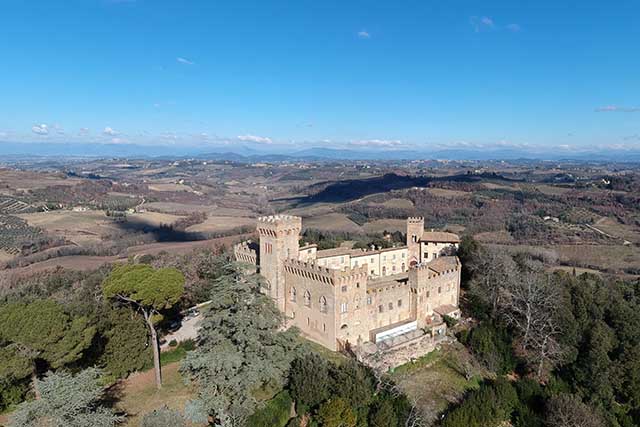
(337, 413)
(241, 348)
(383, 415)
(44, 334)
(126, 349)
(309, 382)
(566, 410)
(530, 305)
(163, 417)
(66, 401)
(150, 291)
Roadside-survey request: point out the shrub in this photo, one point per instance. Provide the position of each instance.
(275, 413)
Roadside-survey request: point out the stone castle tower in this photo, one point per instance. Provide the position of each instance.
(415, 228)
(279, 241)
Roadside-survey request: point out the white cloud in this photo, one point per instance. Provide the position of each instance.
(364, 34)
(513, 28)
(41, 129)
(109, 131)
(378, 143)
(4, 134)
(254, 138)
(83, 132)
(481, 23)
(118, 140)
(184, 61)
(617, 109)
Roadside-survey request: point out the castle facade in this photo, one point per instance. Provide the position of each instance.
(346, 297)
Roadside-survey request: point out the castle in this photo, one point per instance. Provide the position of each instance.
(347, 297)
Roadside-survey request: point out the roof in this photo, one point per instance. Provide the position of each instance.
(376, 282)
(443, 263)
(445, 310)
(325, 253)
(439, 237)
(309, 246)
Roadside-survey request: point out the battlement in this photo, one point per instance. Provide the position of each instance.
(273, 225)
(415, 220)
(326, 275)
(246, 252)
(445, 264)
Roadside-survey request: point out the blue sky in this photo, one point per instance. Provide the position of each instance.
(389, 74)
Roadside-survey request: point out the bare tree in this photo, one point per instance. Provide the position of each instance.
(493, 270)
(530, 305)
(565, 410)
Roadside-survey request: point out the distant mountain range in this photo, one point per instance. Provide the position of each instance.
(269, 153)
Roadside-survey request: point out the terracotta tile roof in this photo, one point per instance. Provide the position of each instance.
(439, 237)
(443, 263)
(445, 310)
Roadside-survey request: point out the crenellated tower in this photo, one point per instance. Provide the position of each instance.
(279, 241)
(415, 228)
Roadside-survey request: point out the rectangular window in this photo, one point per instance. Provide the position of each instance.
(343, 307)
(368, 300)
(344, 288)
(399, 303)
(373, 272)
(390, 306)
(427, 294)
(371, 260)
(403, 254)
(380, 309)
(439, 289)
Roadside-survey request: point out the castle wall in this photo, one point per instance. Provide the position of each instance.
(382, 262)
(388, 303)
(433, 285)
(431, 250)
(326, 305)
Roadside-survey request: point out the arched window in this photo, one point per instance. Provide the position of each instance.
(293, 294)
(323, 304)
(384, 271)
(307, 298)
(403, 267)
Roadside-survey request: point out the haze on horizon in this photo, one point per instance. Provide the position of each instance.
(342, 74)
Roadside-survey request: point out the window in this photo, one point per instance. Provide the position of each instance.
(439, 289)
(324, 327)
(403, 267)
(380, 309)
(394, 257)
(384, 257)
(344, 288)
(292, 294)
(355, 263)
(428, 293)
(323, 304)
(344, 307)
(358, 285)
(307, 298)
(357, 302)
(341, 259)
(308, 321)
(426, 255)
(371, 260)
(384, 271)
(373, 272)
(393, 268)
(368, 300)
(390, 306)
(403, 254)
(399, 303)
